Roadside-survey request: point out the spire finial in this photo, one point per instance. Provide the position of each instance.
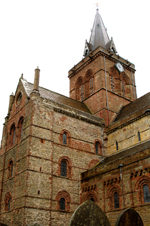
(97, 6)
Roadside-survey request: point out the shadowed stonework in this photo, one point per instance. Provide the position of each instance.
(89, 214)
(129, 218)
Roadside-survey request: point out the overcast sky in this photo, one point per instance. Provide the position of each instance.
(51, 34)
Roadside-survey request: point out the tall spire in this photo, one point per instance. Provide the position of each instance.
(99, 37)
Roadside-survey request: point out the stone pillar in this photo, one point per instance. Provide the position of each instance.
(36, 79)
(11, 100)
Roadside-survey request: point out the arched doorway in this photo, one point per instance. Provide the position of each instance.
(88, 213)
(129, 218)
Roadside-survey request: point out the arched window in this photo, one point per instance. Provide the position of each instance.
(63, 168)
(62, 204)
(116, 200)
(20, 128)
(8, 200)
(98, 148)
(10, 169)
(64, 138)
(146, 193)
(12, 134)
(63, 200)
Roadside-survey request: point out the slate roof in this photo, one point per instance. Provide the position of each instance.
(57, 98)
(142, 103)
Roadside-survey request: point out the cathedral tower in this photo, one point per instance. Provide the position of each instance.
(103, 80)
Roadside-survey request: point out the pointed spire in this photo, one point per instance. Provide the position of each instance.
(99, 36)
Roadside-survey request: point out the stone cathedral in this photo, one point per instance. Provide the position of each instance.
(83, 159)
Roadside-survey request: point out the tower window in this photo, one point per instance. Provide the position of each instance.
(12, 134)
(62, 204)
(63, 168)
(116, 200)
(64, 138)
(146, 193)
(20, 127)
(8, 200)
(10, 169)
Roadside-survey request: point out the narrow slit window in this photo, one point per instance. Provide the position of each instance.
(139, 136)
(117, 147)
(10, 169)
(97, 148)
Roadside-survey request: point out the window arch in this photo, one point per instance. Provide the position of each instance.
(63, 201)
(114, 195)
(12, 134)
(64, 167)
(98, 148)
(142, 189)
(10, 169)
(8, 199)
(64, 138)
(20, 128)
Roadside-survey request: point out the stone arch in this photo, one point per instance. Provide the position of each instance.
(144, 180)
(88, 213)
(129, 217)
(114, 189)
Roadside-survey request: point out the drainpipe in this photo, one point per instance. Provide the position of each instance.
(121, 177)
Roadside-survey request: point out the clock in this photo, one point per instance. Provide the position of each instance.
(119, 67)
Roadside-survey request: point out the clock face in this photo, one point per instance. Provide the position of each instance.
(119, 67)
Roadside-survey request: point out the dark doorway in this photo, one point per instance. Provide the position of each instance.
(2, 224)
(129, 218)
